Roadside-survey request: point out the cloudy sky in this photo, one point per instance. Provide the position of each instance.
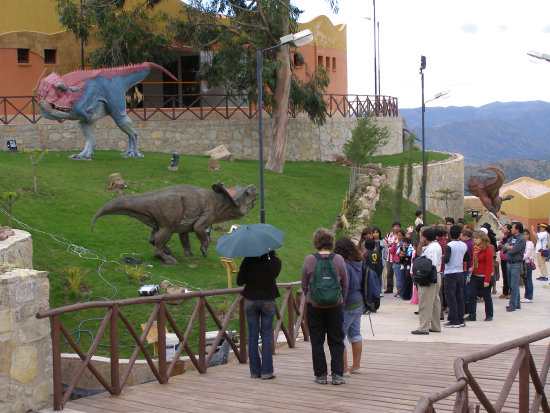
(476, 49)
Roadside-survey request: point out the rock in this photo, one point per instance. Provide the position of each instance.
(489, 217)
(340, 159)
(214, 165)
(5, 232)
(220, 153)
(373, 166)
(116, 182)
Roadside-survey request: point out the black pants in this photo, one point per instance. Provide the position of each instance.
(389, 278)
(505, 280)
(477, 289)
(407, 290)
(329, 322)
(454, 293)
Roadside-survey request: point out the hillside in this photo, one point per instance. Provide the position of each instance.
(488, 133)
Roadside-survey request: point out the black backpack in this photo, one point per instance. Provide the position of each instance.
(423, 271)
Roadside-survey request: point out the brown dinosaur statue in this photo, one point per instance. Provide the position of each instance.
(182, 209)
(485, 184)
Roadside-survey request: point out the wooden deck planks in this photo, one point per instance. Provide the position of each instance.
(395, 376)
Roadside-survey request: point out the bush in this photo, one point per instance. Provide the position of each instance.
(138, 273)
(74, 277)
(366, 138)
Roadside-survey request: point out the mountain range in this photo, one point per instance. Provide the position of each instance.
(488, 133)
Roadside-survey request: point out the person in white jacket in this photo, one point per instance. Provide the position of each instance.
(542, 244)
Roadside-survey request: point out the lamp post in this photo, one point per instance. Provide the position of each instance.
(422, 67)
(375, 65)
(537, 55)
(300, 39)
(81, 40)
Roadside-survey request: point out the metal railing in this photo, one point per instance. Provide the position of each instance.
(523, 364)
(292, 304)
(202, 106)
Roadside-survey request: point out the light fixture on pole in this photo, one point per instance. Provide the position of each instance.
(299, 39)
(422, 67)
(537, 55)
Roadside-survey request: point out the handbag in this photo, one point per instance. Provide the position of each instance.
(544, 253)
(533, 266)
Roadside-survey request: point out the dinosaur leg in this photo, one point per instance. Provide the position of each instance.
(167, 250)
(184, 239)
(162, 237)
(125, 124)
(487, 202)
(200, 231)
(88, 131)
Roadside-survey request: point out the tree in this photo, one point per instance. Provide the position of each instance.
(34, 157)
(366, 138)
(128, 33)
(7, 200)
(446, 195)
(236, 30)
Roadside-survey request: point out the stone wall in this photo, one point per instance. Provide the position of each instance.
(440, 176)
(17, 249)
(25, 343)
(306, 142)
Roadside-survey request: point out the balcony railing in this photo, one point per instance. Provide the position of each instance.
(24, 109)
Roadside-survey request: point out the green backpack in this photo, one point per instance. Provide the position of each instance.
(325, 289)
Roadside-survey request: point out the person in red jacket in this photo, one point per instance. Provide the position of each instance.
(481, 280)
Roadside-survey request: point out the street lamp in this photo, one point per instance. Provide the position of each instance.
(299, 39)
(422, 67)
(537, 55)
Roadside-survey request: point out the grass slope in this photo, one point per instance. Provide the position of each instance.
(307, 196)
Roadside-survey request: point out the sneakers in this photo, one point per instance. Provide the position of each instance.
(451, 325)
(525, 300)
(462, 324)
(268, 376)
(470, 318)
(510, 309)
(322, 379)
(337, 380)
(542, 278)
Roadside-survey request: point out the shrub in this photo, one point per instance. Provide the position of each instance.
(6, 201)
(366, 138)
(34, 156)
(74, 277)
(138, 273)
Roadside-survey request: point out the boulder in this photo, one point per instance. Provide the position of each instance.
(116, 182)
(220, 153)
(340, 159)
(214, 165)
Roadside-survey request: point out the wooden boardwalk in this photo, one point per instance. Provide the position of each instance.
(394, 377)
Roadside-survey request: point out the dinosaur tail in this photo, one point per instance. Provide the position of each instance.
(152, 65)
(118, 206)
(137, 73)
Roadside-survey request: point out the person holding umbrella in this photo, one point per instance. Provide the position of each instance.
(258, 273)
(325, 320)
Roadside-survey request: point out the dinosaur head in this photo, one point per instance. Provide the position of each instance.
(57, 97)
(243, 199)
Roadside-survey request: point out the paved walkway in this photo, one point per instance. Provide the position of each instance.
(395, 320)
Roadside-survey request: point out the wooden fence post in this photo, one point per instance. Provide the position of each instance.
(524, 380)
(113, 344)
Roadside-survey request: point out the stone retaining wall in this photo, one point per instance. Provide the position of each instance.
(26, 381)
(306, 142)
(444, 175)
(17, 249)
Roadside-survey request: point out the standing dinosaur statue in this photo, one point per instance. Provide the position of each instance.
(485, 184)
(89, 95)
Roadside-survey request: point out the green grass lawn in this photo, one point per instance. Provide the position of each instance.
(306, 196)
(393, 160)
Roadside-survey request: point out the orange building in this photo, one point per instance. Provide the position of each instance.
(34, 44)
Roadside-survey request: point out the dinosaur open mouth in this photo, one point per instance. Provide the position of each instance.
(53, 107)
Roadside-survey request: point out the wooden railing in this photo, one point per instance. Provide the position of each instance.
(203, 106)
(523, 364)
(292, 305)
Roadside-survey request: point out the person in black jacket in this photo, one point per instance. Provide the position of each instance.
(258, 275)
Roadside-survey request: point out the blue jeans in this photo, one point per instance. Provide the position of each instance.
(352, 325)
(259, 315)
(528, 281)
(398, 277)
(514, 272)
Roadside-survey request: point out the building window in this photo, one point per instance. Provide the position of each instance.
(334, 64)
(298, 60)
(22, 55)
(327, 66)
(50, 56)
(320, 61)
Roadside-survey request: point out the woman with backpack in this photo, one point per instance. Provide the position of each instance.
(353, 304)
(325, 272)
(258, 275)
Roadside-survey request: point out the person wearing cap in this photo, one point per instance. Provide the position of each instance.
(542, 244)
(390, 240)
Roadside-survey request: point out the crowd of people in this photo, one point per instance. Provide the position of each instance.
(464, 263)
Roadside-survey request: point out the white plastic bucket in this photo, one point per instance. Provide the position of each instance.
(172, 342)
